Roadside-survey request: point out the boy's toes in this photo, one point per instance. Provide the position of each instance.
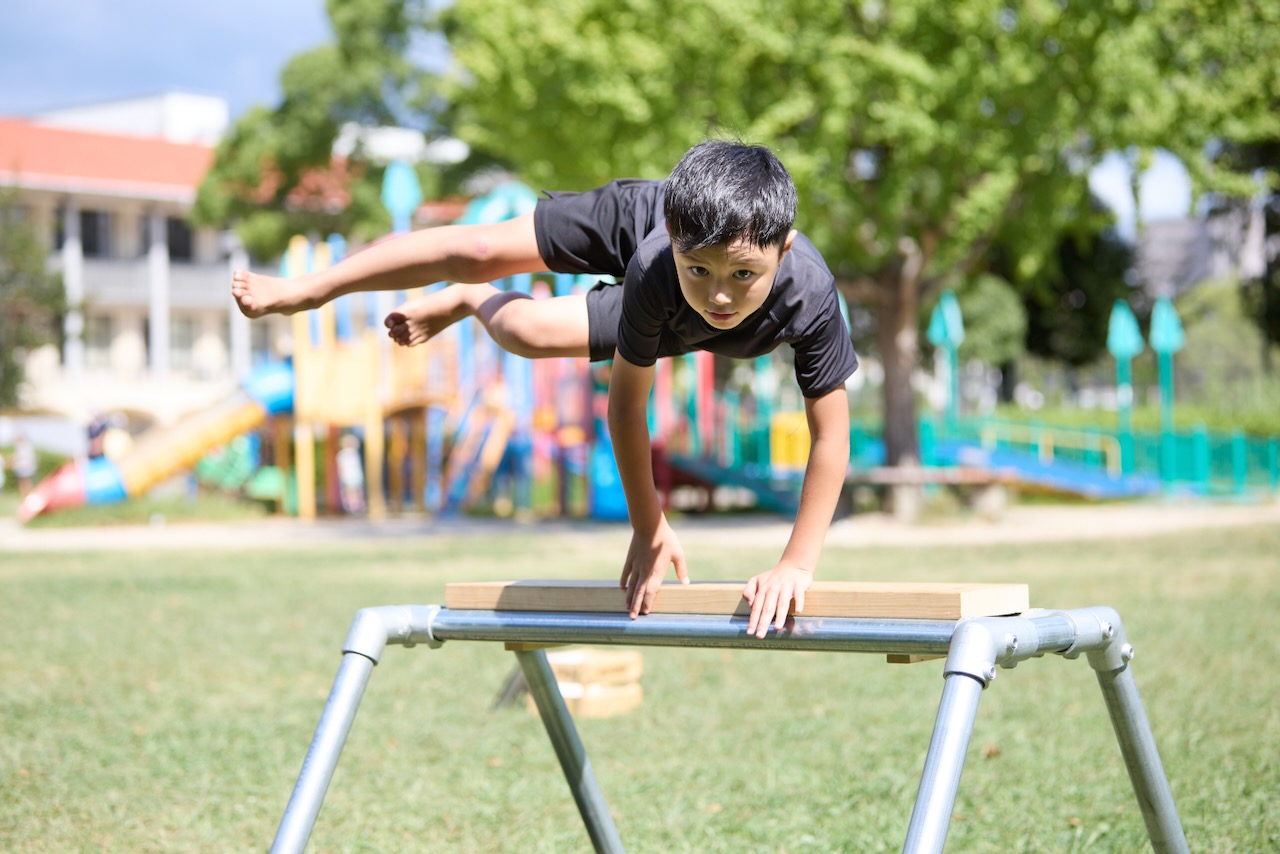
(394, 319)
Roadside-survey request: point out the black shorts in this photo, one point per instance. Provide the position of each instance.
(596, 233)
(604, 311)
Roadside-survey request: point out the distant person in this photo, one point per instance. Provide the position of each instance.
(24, 464)
(97, 433)
(350, 474)
(708, 260)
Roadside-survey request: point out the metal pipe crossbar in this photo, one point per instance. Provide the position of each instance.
(974, 648)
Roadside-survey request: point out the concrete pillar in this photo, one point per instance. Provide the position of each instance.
(158, 294)
(73, 284)
(238, 339)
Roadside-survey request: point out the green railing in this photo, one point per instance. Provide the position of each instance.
(1204, 461)
(1212, 462)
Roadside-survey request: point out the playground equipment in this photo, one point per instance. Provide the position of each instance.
(159, 454)
(349, 376)
(903, 622)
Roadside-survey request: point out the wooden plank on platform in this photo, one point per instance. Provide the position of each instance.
(907, 600)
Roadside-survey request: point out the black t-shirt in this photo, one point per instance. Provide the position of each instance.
(618, 230)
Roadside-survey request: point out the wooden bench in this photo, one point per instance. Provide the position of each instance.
(899, 488)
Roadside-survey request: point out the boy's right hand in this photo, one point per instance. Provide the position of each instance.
(646, 566)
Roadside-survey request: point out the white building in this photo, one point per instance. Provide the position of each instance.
(153, 332)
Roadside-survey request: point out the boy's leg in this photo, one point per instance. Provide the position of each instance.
(453, 253)
(535, 329)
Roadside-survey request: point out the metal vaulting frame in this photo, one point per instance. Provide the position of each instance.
(974, 648)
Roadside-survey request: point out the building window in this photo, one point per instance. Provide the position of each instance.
(181, 242)
(182, 339)
(95, 234)
(98, 335)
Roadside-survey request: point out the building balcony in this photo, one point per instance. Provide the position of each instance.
(121, 283)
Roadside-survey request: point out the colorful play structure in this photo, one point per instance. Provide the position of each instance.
(457, 425)
(436, 432)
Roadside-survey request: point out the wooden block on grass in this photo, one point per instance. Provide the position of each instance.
(904, 600)
(597, 701)
(588, 666)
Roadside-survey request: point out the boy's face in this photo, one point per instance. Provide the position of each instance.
(725, 284)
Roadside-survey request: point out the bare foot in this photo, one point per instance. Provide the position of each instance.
(257, 295)
(425, 317)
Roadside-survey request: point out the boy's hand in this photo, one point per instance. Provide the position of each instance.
(646, 566)
(770, 593)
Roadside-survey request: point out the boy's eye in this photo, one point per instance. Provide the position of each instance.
(742, 275)
(698, 271)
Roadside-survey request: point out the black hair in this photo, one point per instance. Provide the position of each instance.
(721, 192)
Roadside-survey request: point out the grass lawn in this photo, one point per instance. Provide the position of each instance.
(163, 701)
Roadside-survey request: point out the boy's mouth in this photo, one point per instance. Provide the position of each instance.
(721, 317)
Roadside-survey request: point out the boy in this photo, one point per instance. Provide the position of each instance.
(708, 260)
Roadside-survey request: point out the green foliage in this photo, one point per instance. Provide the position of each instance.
(32, 300)
(918, 132)
(1069, 304)
(1244, 46)
(1224, 362)
(995, 321)
(1261, 296)
(917, 121)
(273, 174)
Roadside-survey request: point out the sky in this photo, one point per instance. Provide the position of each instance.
(65, 53)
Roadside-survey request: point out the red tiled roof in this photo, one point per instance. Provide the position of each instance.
(36, 156)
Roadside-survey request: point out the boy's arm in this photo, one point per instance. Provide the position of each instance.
(653, 543)
(770, 593)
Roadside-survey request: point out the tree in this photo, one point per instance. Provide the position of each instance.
(32, 301)
(1238, 100)
(916, 131)
(1069, 306)
(274, 174)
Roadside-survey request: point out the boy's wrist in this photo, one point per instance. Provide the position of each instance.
(646, 522)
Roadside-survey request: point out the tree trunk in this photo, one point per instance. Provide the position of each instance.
(1008, 381)
(898, 336)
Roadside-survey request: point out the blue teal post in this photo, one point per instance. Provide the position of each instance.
(401, 196)
(1239, 461)
(946, 331)
(928, 444)
(1201, 458)
(1124, 341)
(1273, 462)
(1167, 338)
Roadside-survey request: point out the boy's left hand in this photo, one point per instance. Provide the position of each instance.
(770, 593)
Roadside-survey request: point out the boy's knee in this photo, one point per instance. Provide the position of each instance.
(510, 318)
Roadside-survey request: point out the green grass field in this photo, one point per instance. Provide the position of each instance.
(163, 701)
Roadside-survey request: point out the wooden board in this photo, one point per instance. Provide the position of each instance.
(924, 601)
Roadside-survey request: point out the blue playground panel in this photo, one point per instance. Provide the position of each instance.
(778, 498)
(1057, 476)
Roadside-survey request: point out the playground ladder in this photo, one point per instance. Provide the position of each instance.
(974, 648)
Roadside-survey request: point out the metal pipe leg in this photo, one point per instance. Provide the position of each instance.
(573, 756)
(322, 756)
(936, 798)
(1138, 746)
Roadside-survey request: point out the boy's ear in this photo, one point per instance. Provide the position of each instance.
(786, 244)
